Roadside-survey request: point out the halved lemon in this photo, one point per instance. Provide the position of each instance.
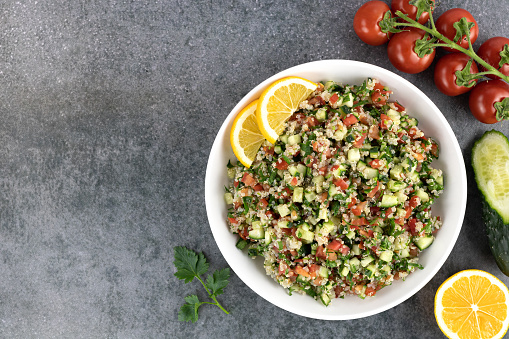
(245, 136)
(472, 304)
(278, 102)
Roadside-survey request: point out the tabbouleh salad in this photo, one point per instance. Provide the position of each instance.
(341, 203)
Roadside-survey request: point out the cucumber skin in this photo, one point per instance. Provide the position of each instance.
(498, 236)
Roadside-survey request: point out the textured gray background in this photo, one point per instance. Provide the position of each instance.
(108, 112)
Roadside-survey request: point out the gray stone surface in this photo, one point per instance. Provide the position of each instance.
(108, 113)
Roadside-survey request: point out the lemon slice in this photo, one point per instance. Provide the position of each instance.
(278, 102)
(472, 304)
(245, 136)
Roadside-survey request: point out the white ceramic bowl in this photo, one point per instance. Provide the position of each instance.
(450, 205)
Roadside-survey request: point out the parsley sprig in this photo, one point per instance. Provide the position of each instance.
(192, 265)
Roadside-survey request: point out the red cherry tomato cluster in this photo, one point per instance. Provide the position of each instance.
(489, 100)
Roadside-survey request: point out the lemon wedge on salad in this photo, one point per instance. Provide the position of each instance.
(245, 136)
(278, 102)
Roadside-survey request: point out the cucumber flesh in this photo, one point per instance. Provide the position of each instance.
(490, 160)
(424, 242)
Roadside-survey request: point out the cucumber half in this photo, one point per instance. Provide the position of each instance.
(490, 160)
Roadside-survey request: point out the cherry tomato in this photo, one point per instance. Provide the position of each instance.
(365, 22)
(445, 77)
(483, 98)
(402, 55)
(490, 52)
(445, 22)
(405, 7)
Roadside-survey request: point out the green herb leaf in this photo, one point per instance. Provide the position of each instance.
(189, 311)
(189, 264)
(504, 56)
(217, 281)
(463, 28)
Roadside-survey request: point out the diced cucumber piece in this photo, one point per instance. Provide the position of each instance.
(340, 133)
(282, 224)
(283, 210)
(386, 269)
(321, 114)
(278, 149)
(297, 194)
(374, 152)
(366, 260)
(325, 298)
(332, 190)
(361, 165)
(400, 212)
(354, 264)
(318, 180)
(284, 139)
(397, 172)
(354, 155)
(322, 214)
(423, 195)
(401, 197)
(228, 198)
(400, 243)
(302, 279)
(371, 270)
(386, 256)
(389, 200)
(310, 196)
(294, 139)
(394, 115)
(408, 164)
(293, 170)
(424, 242)
(350, 235)
(348, 100)
(404, 253)
(326, 228)
(395, 186)
(328, 84)
(356, 249)
(323, 272)
(370, 173)
(306, 235)
(258, 233)
(231, 173)
(268, 236)
(301, 169)
(345, 271)
(257, 224)
(339, 171)
(414, 176)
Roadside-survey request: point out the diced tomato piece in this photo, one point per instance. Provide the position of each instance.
(434, 149)
(363, 118)
(236, 205)
(361, 245)
(270, 215)
(352, 202)
(412, 132)
(357, 209)
(418, 156)
(246, 191)
(281, 164)
(411, 226)
(263, 203)
(297, 116)
(300, 270)
(375, 163)
(374, 209)
(359, 222)
(399, 221)
(309, 161)
(233, 221)
(322, 170)
(294, 181)
(312, 121)
(286, 192)
(268, 150)
(334, 245)
(329, 153)
(390, 211)
(367, 234)
(385, 122)
(322, 197)
(370, 291)
(235, 183)
(374, 191)
(399, 107)
(258, 187)
(374, 132)
(320, 252)
(344, 249)
(332, 256)
(414, 201)
(350, 119)
(248, 179)
(244, 233)
(316, 100)
(334, 98)
(408, 211)
(359, 140)
(340, 183)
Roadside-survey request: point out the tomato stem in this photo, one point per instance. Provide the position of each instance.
(446, 42)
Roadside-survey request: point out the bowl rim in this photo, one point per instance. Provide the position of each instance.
(443, 123)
